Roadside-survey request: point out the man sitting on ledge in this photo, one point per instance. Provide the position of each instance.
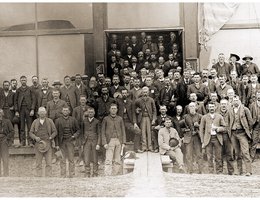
(166, 135)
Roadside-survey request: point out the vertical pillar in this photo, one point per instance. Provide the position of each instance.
(190, 23)
(99, 25)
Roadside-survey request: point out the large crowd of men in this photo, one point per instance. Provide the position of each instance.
(153, 103)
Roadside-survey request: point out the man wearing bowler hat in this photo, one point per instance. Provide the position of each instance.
(43, 131)
(249, 67)
(57, 84)
(236, 66)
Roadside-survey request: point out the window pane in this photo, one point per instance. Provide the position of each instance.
(61, 55)
(67, 15)
(12, 14)
(17, 57)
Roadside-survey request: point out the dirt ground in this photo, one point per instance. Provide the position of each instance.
(22, 183)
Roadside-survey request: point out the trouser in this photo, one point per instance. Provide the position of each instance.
(25, 117)
(194, 153)
(240, 143)
(146, 133)
(4, 155)
(256, 140)
(155, 139)
(176, 155)
(130, 130)
(79, 145)
(67, 150)
(9, 114)
(90, 153)
(137, 141)
(214, 144)
(227, 152)
(48, 158)
(113, 161)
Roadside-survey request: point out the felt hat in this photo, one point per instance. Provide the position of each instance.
(235, 55)
(173, 142)
(247, 56)
(84, 77)
(43, 146)
(56, 82)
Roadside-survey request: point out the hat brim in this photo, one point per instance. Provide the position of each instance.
(56, 84)
(236, 56)
(245, 58)
(44, 147)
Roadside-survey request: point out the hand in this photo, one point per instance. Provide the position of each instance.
(97, 147)
(106, 146)
(153, 121)
(136, 126)
(32, 113)
(38, 139)
(157, 127)
(123, 146)
(203, 146)
(196, 124)
(11, 108)
(57, 148)
(73, 137)
(50, 138)
(17, 114)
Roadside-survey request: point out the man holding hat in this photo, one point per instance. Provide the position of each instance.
(170, 143)
(236, 66)
(43, 131)
(249, 67)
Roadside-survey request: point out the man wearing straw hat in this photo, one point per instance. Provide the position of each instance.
(43, 131)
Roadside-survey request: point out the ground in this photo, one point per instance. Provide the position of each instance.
(23, 183)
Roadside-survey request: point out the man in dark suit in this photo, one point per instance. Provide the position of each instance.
(68, 130)
(150, 45)
(236, 66)
(147, 115)
(125, 45)
(115, 87)
(69, 93)
(182, 88)
(126, 110)
(242, 89)
(135, 45)
(45, 94)
(7, 101)
(249, 67)
(80, 87)
(25, 103)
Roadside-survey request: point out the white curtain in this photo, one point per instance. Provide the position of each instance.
(212, 16)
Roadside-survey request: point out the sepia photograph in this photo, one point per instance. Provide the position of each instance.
(129, 99)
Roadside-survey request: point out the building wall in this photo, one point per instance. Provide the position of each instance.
(240, 35)
(143, 15)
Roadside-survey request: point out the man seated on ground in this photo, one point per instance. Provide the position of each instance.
(164, 136)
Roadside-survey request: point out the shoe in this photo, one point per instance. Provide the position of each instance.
(156, 150)
(63, 176)
(182, 170)
(70, 176)
(139, 151)
(151, 150)
(31, 145)
(248, 174)
(87, 175)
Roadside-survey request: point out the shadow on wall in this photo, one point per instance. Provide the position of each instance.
(48, 24)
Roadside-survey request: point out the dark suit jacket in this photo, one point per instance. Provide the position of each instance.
(10, 98)
(181, 93)
(252, 68)
(27, 94)
(238, 68)
(40, 96)
(226, 69)
(147, 104)
(137, 48)
(189, 123)
(72, 93)
(243, 93)
(163, 96)
(178, 125)
(129, 106)
(54, 110)
(8, 129)
(103, 107)
(74, 127)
